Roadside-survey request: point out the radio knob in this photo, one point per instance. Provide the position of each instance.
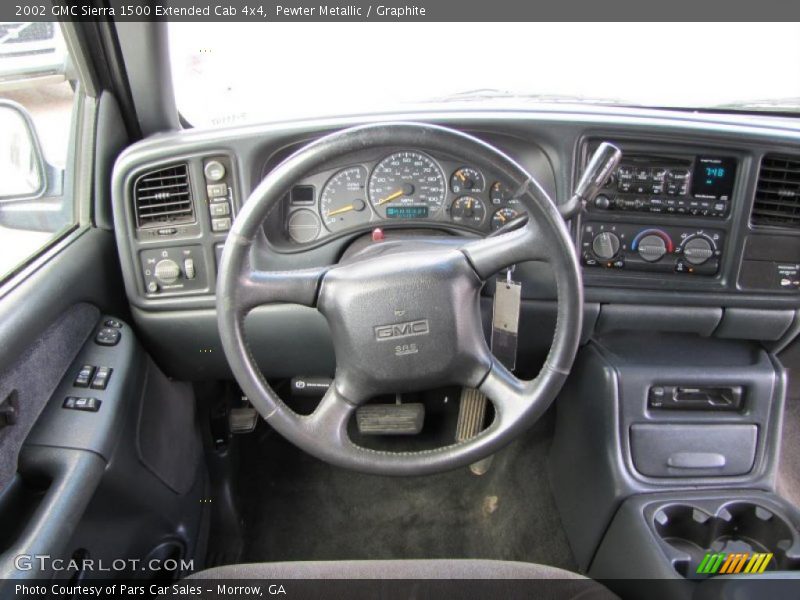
(167, 271)
(605, 245)
(698, 250)
(602, 202)
(652, 247)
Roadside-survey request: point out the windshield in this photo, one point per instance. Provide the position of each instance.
(247, 72)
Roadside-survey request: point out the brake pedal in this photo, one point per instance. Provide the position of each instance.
(471, 414)
(244, 419)
(390, 419)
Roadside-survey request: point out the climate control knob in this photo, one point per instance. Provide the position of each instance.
(167, 271)
(605, 245)
(698, 250)
(652, 247)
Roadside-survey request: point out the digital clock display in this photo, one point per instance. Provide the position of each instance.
(407, 212)
(713, 177)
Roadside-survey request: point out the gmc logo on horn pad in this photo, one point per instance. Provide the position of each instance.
(402, 330)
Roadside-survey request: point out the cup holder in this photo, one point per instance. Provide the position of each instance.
(737, 527)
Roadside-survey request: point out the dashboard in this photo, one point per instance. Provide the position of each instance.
(697, 231)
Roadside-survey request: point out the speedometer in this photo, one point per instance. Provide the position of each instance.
(407, 185)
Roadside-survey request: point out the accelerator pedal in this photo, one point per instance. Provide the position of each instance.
(471, 414)
(390, 419)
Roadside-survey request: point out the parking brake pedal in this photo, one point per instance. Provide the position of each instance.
(471, 414)
(390, 419)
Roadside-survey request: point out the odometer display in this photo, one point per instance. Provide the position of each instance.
(407, 212)
(408, 180)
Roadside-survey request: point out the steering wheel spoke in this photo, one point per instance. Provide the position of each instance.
(300, 286)
(506, 391)
(326, 427)
(494, 253)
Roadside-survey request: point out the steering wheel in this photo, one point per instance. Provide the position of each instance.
(429, 295)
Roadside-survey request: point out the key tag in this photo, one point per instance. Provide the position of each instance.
(505, 319)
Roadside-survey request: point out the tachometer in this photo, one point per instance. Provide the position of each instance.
(342, 203)
(407, 185)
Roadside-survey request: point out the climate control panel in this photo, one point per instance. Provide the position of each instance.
(680, 250)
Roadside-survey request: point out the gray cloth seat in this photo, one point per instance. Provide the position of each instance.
(561, 583)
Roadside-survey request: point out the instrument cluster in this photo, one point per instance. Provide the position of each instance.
(401, 188)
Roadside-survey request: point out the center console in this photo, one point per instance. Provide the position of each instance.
(647, 412)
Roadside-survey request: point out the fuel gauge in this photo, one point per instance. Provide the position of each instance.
(467, 180)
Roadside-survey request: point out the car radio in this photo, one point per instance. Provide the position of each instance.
(686, 185)
(682, 250)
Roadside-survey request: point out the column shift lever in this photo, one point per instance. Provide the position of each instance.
(603, 162)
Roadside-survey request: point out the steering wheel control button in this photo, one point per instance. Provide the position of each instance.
(100, 381)
(214, 170)
(82, 404)
(605, 245)
(84, 376)
(108, 336)
(113, 323)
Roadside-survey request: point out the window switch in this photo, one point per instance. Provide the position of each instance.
(84, 376)
(100, 381)
(108, 336)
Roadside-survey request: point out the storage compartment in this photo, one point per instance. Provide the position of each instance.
(741, 537)
(18, 503)
(673, 450)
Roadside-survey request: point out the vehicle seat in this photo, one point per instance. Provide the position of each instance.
(561, 583)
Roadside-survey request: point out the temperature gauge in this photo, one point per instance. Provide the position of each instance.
(467, 210)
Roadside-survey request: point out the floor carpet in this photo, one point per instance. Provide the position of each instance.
(296, 507)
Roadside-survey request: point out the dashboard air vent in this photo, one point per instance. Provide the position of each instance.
(163, 197)
(778, 192)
